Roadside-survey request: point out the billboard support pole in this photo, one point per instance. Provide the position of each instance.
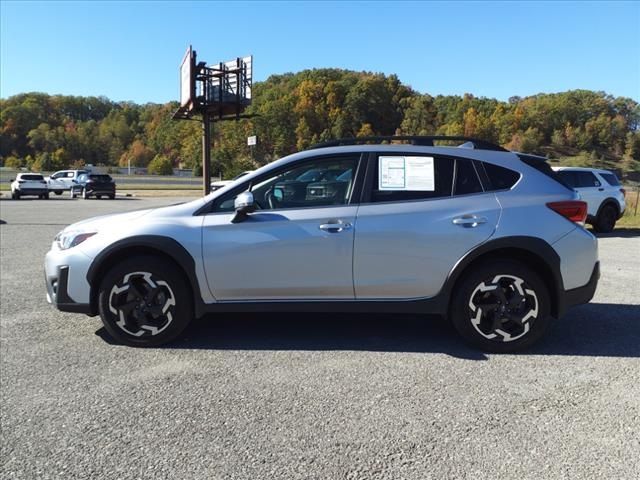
(206, 153)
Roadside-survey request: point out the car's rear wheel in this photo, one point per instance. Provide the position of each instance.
(144, 302)
(501, 306)
(606, 219)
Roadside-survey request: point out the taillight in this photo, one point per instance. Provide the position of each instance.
(623, 192)
(574, 210)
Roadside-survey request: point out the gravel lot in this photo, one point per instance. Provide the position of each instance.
(291, 396)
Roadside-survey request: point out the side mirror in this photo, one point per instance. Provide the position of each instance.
(243, 205)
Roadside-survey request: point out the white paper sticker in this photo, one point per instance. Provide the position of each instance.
(406, 173)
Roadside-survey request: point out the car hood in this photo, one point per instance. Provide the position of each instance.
(96, 224)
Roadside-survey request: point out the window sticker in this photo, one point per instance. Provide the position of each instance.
(406, 173)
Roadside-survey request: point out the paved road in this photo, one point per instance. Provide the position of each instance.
(309, 397)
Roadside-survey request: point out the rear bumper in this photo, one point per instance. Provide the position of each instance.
(580, 295)
(33, 191)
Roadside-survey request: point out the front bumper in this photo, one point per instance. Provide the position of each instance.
(58, 294)
(66, 280)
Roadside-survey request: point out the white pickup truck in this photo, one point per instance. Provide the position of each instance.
(60, 181)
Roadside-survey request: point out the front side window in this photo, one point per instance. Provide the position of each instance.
(316, 183)
(411, 177)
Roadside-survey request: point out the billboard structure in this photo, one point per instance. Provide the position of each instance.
(213, 92)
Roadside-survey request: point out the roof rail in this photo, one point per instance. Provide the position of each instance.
(425, 141)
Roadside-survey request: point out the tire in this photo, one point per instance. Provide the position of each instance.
(111, 197)
(160, 318)
(501, 306)
(58, 192)
(606, 219)
(85, 195)
(99, 197)
(46, 196)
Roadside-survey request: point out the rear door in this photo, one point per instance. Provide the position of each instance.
(420, 214)
(591, 190)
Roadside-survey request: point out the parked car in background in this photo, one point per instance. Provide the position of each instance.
(61, 181)
(94, 185)
(601, 190)
(489, 238)
(32, 184)
(223, 183)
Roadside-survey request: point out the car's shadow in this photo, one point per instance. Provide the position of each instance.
(589, 330)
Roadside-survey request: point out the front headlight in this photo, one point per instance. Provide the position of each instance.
(72, 238)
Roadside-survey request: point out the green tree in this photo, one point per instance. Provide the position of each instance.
(160, 165)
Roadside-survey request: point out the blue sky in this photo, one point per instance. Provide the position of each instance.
(131, 51)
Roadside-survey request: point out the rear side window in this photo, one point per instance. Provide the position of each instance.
(611, 179)
(406, 178)
(500, 178)
(467, 180)
(587, 180)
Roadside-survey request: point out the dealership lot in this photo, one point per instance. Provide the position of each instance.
(309, 396)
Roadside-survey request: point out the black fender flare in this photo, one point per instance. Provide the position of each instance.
(151, 244)
(547, 261)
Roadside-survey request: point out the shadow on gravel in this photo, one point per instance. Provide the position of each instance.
(602, 330)
(620, 233)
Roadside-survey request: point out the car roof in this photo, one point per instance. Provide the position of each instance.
(580, 169)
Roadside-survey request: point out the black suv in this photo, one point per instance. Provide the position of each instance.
(94, 184)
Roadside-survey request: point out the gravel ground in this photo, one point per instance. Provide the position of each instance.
(326, 397)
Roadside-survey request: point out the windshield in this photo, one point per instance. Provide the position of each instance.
(31, 177)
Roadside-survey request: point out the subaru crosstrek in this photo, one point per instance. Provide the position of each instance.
(488, 238)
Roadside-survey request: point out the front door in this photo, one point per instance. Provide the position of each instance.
(298, 244)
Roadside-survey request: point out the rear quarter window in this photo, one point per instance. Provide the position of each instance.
(500, 178)
(611, 179)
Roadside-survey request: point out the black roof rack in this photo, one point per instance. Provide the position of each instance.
(425, 141)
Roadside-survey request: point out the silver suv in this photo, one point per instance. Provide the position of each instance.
(486, 237)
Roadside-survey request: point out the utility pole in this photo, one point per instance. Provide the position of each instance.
(206, 152)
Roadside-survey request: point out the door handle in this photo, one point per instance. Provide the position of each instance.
(335, 227)
(469, 221)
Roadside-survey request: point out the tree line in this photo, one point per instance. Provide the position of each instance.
(293, 111)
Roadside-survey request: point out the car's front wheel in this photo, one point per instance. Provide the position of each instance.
(145, 301)
(501, 306)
